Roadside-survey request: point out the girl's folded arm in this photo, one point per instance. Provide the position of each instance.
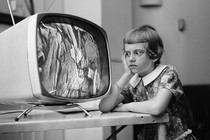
(111, 101)
(155, 106)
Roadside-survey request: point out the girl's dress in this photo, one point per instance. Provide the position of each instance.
(141, 89)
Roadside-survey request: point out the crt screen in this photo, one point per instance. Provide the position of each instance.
(68, 61)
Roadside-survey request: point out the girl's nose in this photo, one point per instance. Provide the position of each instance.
(132, 58)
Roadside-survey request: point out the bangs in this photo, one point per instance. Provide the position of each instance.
(134, 37)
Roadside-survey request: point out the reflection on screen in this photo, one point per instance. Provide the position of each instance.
(68, 61)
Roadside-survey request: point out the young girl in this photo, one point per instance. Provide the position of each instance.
(148, 86)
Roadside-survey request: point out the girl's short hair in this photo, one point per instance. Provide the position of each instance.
(148, 35)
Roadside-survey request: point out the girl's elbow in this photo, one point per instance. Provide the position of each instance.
(156, 113)
(157, 110)
(104, 108)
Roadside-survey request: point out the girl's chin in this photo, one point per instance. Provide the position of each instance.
(135, 71)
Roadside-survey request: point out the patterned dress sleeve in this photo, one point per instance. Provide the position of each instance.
(171, 81)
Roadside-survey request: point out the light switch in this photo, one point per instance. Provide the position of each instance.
(181, 24)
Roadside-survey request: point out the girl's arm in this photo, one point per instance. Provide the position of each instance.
(114, 97)
(155, 106)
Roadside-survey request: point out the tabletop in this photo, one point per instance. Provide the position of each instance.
(41, 120)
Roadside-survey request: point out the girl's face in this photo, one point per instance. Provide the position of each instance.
(137, 59)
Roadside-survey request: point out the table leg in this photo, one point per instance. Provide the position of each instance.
(162, 133)
(114, 132)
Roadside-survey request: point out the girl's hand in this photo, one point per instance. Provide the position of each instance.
(126, 68)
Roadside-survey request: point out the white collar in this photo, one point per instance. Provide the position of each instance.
(149, 77)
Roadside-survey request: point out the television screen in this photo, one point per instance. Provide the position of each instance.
(54, 58)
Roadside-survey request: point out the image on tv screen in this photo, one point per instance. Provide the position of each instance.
(68, 61)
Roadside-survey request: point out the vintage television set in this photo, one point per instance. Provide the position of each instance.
(54, 59)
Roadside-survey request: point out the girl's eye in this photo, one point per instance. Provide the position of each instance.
(139, 52)
(127, 54)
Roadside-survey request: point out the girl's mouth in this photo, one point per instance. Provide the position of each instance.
(133, 66)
